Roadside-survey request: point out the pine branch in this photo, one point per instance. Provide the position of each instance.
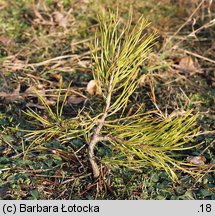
(96, 137)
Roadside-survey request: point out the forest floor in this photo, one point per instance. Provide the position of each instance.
(44, 41)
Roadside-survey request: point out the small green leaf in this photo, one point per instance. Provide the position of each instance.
(35, 194)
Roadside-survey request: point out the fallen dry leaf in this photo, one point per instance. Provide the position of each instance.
(6, 41)
(93, 88)
(75, 99)
(58, 16)
(177, 113)
(30, 91)
(50, 102)
(11, 97)
(187, 64)
(197, 160)
(60, 19)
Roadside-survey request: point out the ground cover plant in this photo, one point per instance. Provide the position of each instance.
(104, 105)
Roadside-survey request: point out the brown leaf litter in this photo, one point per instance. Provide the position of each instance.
(188, 65)
(197, 160)
(50, 96)
(93, 88)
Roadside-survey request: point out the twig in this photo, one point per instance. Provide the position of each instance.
(193, 33)
(185, 23)
(51, 60)
(96, 137)
(211, 144)
(203, 27)
(198, 56)
(88, 188)
(210, 169)
(107, 185)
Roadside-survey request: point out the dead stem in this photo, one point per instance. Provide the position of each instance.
(184, 24)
